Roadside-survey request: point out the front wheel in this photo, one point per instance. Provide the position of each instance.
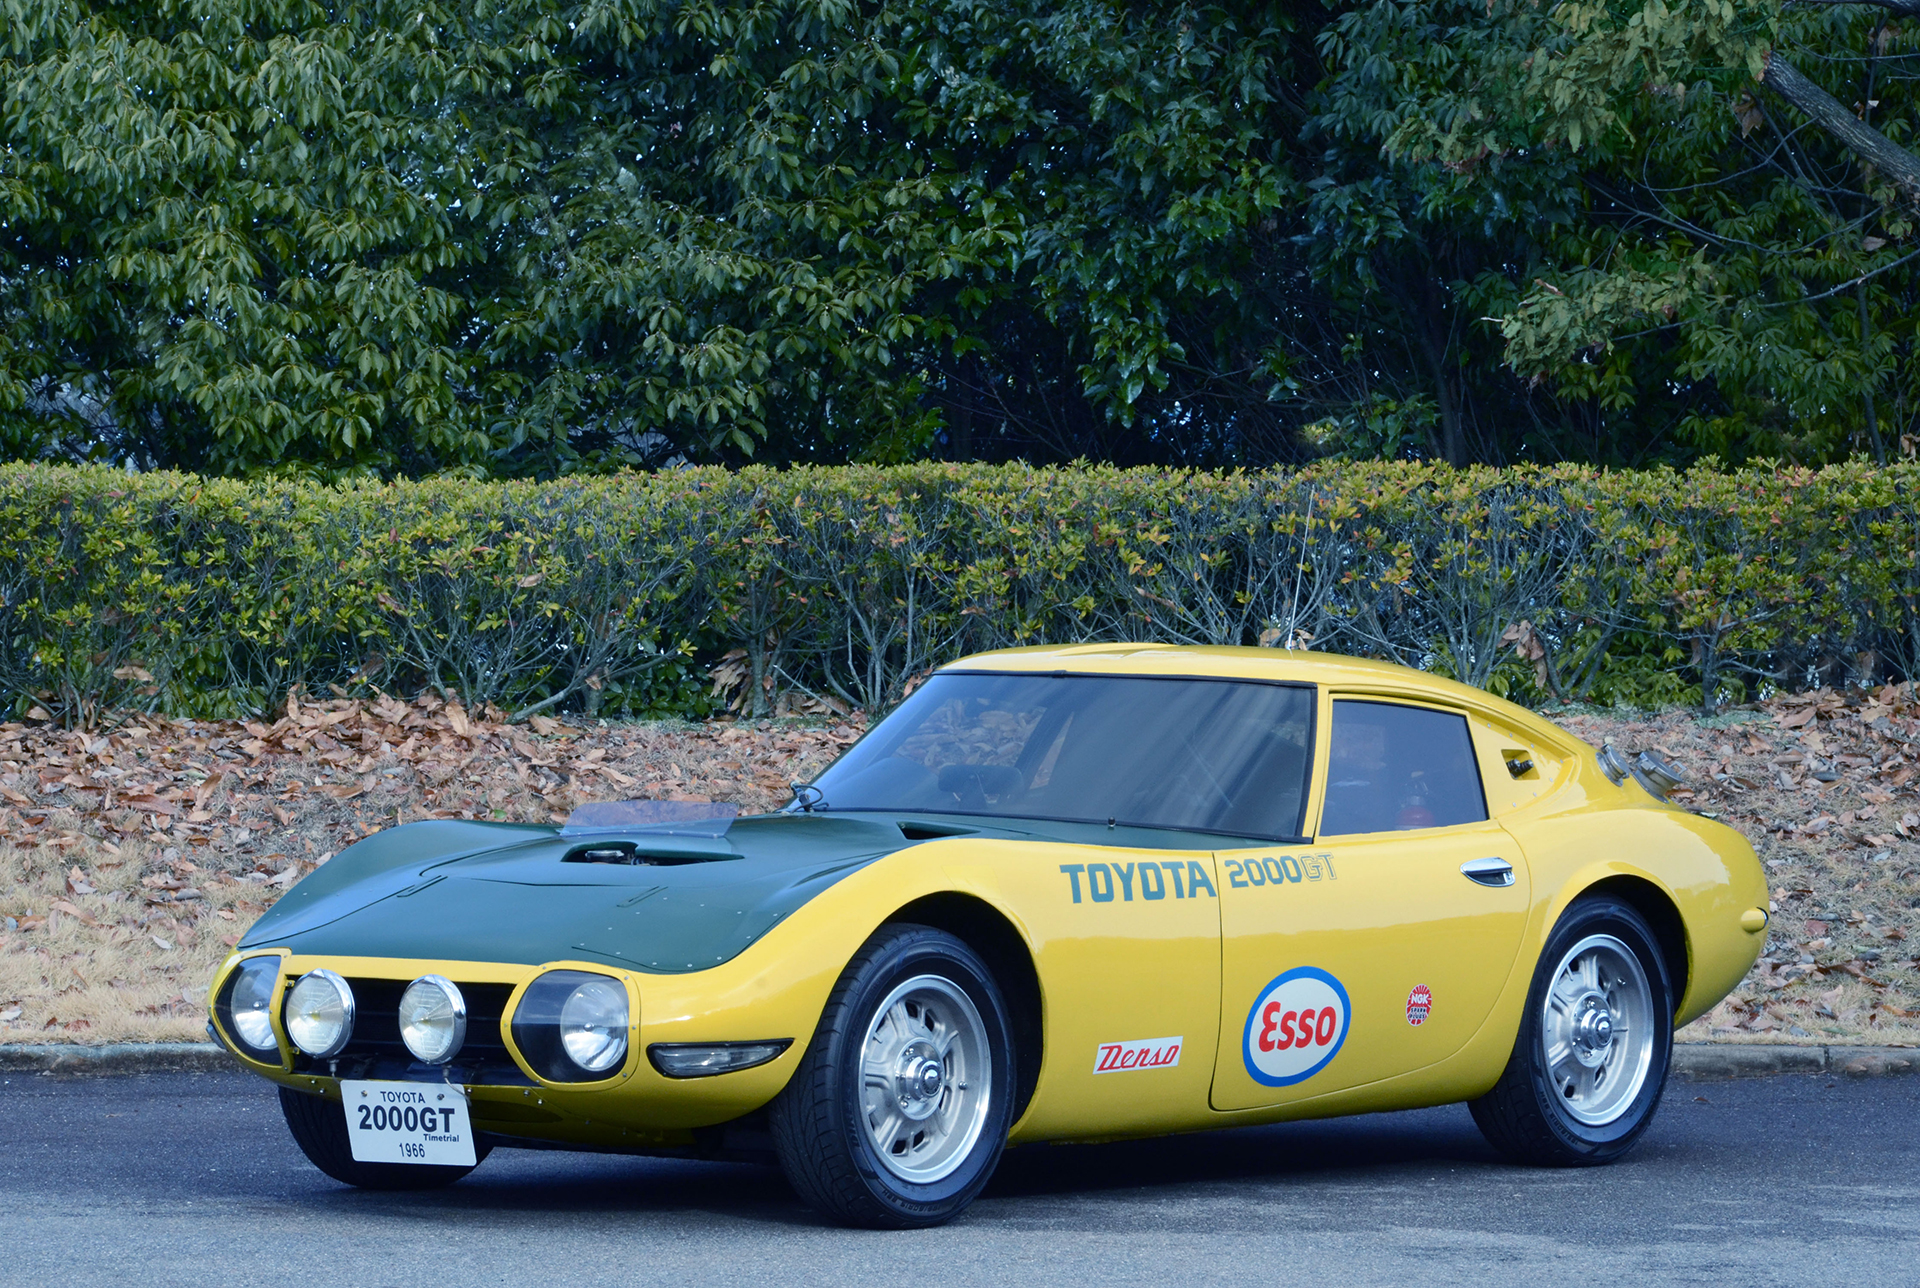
(899, 1110)
(1591, 1058)
(319, 1128)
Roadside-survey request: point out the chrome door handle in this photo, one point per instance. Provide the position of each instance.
(1488, 872)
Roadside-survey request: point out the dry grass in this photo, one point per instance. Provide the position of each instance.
(102, 964)
(143, 853)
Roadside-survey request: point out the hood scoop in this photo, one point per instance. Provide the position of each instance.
(916, 830)
(661, 851)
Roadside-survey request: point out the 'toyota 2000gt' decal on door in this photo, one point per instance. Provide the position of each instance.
(1278, 870)
(1182, 878)
(1296, 1027)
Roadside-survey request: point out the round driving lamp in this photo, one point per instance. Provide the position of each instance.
(247, 1007)
(433, 1019)
(593, 1025)
(572, 1026)
(319, 1016)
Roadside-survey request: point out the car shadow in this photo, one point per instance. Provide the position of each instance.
(543, 1183)
(535, 1183)
(1323, 1149)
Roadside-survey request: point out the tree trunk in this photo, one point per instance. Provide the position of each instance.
(1866, 389)
(966, 408)
(1827, 112)
(1453, 436)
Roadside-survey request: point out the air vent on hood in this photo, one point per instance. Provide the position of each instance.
(932, 831)
(664, 852)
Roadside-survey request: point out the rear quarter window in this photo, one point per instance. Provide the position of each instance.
(1393, 767)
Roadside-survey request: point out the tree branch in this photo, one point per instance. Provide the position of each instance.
(1865, 142)
(1905, 8)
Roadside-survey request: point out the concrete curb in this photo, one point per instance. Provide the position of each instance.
(117, 1057)
(1706, 1061)
(1694, 1061)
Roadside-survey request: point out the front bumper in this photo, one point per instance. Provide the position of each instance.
(633, 1107)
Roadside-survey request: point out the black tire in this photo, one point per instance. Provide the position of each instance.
(820, 1124)
(1526, 1115)
(319, 1128)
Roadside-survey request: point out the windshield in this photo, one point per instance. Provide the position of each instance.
(1193, 755)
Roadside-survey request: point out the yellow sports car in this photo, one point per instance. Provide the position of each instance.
(1058, 894)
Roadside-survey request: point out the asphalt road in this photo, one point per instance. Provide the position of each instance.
(192, 1179)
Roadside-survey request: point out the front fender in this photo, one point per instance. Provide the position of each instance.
(779, 987)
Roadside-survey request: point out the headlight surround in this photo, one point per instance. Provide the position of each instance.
(319, 1014)
(433, 1019)
(245, 1008)
(572, 1025)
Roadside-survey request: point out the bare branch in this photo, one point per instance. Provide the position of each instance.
(1826, 111)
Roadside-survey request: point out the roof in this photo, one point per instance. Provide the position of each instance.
(1224, 662)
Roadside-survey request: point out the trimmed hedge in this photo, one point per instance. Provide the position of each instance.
(204, 596)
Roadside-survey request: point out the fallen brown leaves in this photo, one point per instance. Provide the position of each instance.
(114, 912)
(139, 855)
(1824, 784)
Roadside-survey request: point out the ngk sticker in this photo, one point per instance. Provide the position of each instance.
(1419, 1005)
(1149, 1053)
(1295, 1027)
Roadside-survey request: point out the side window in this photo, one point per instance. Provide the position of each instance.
(1391, 768)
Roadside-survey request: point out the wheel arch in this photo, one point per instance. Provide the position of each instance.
(989, 932)
(1669, 928)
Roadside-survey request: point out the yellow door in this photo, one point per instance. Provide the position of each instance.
(1370, 953)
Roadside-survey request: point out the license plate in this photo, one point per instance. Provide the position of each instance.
(408, 1122)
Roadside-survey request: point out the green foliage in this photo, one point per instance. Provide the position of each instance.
(344, 239)
(1725, 258)
(611, 595)
(1643, 671)
(352, 237)
(230, 228)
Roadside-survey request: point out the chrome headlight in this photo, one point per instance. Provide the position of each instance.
(319, 1014)
(593, 1025)
(433, 1019)
(245, 1007)
(571, 1025)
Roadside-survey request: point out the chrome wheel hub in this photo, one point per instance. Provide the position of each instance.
(926, 1076)
(922, 1078)
(1591, 1028)
(1597, 1029)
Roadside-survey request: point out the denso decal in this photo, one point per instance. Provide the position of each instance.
(1182, 878)
(1148, 1053)
(1296, 1027)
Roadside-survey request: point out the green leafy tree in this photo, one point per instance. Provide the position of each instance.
(544, 236)
(230, 237)
(1743, 234)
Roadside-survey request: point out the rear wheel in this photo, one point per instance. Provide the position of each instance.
(319, 1128)
(1590, 1062)
(899, 1110)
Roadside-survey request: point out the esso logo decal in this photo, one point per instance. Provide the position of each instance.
(1296, 1027)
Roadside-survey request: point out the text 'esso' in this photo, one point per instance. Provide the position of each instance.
(1295, 1027)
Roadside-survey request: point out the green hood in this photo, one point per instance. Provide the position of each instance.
(505, 892)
